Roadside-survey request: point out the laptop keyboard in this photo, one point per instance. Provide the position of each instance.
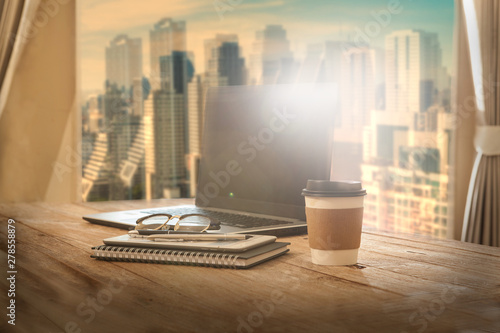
(229, 219)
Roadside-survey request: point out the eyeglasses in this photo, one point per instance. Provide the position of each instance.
(188, 222)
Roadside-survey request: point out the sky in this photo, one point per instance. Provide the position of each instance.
(306, 22)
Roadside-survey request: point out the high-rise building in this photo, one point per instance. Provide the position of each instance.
(122, 101)
(166, 36)
(196, 89)
(169, 128)
(166, 132)
(357, 100)
(413, 70)
(123, 109)
(357, 88)
(406, 148)
(352, 67)
(271, 60)
(149, 146)
(124, 62)
(123, 127)
(223, 63)
(405, 173)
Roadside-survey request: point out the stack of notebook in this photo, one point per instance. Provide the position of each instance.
(213, 250)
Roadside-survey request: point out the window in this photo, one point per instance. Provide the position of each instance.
(145, 69)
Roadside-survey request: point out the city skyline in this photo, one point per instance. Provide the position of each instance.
(325, 21)
(405, 149)
(392, 128)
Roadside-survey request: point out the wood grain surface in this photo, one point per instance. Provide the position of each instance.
(402, 283)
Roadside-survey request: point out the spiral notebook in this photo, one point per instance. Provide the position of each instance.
(244, 259)
(253, 241)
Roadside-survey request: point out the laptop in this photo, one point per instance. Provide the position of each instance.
(260, 146)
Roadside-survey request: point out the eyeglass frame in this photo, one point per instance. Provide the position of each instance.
(213, 225)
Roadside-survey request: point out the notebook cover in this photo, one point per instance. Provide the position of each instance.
(196, 258)
(217, 246)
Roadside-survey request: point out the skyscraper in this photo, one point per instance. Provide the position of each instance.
(223, 63)
(169, 128)
(405, 172)
(123, 108)
(352, 67)
(166, 36)
(195, 124)
(149, 146)
(357, 90)
(405, 167)
(124, 62)
(271, 60)
(166, 111)
(413, 70)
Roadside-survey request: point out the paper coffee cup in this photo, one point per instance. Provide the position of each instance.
(334, 213)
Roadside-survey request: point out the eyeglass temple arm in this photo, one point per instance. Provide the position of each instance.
(153, 215)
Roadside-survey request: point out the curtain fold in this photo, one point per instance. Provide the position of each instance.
(40, 137)
(10, 19)
(482, 214)
(17, 21)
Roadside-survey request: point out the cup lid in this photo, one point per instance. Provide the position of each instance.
(328, 188)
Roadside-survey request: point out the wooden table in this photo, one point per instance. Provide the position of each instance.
(402, 284)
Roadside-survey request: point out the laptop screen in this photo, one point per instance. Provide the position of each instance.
(261, 144)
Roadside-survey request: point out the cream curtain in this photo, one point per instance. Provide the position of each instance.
(464, 109)
(10, 19)
(15, 19)
(39, 120)
(482, 213)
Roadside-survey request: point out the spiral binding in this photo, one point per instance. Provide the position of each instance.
(164, 256)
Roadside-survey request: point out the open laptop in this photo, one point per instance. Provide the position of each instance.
(260, 146)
